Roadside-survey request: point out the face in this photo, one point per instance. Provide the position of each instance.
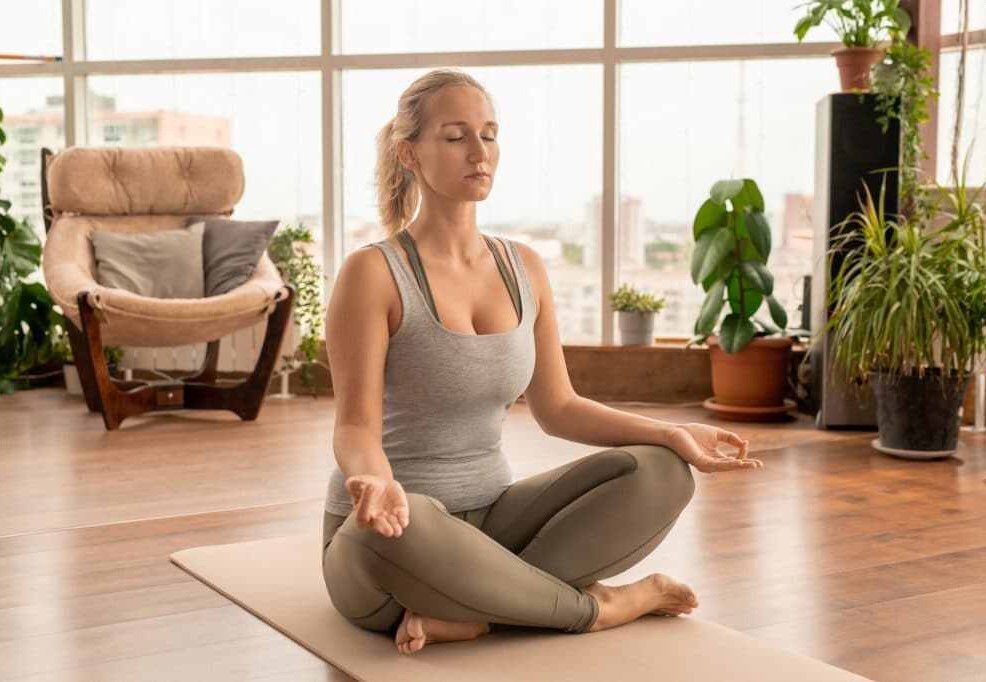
(457, 141)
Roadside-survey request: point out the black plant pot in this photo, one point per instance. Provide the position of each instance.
(918, 417)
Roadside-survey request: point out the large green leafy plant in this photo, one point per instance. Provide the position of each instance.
(31, 327)
(907, 296)
(299, 269)
(858, 23)
(732, 244)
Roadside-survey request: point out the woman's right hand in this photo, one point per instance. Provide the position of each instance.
(379, 503)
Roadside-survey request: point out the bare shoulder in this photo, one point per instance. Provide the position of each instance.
(366, 273)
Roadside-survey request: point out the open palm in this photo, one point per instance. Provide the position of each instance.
(698, 444)
(380, 503)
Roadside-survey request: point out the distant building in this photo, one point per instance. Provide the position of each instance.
(28, 133)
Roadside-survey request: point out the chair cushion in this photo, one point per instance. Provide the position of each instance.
(154, 180)
(128, 319)
(231, 250)
(163, 264)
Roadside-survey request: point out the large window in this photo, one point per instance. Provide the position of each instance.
(469, 25)
(704, 122)
(181, 29)
(33, 117)
(973, 133)
(271, 120)
(710, 22)
(609, 141)
(31, 29)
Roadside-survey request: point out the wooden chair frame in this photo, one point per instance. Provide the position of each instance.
(116, 399)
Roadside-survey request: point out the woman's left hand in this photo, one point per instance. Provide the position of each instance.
(698, 444)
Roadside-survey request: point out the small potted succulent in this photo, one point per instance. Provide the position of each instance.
(636, 314)
(732, 243)
(861, 26)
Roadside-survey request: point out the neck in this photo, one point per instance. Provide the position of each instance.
(448, 232)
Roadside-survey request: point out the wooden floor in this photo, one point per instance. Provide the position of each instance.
(833, 550)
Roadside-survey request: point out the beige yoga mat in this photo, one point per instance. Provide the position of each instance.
(280, 582)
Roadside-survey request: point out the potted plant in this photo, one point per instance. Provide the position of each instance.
(29, 319)
(910, 316)
(636, 310)
(910, 294)
(290, 250)
(732, 244)
(861, 26)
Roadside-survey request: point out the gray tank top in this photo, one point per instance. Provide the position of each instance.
(447, 393)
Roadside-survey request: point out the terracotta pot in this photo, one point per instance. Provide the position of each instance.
(854, 66)
(755, 376)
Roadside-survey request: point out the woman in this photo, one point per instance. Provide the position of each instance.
(432, 335)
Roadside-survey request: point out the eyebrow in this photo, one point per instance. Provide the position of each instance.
(454, 123)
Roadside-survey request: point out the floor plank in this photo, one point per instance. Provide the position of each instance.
(834, 550)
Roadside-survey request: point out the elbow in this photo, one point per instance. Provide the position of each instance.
(554, 421)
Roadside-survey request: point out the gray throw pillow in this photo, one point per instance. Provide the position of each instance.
(163, 264)
(231, 250)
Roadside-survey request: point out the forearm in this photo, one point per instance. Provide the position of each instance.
(358, 451)
(583, 420)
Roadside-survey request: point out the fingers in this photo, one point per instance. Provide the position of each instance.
(734, 439)
(366, 511)
(728, 464)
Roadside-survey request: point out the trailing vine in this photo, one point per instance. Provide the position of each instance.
(299, 269)
(903, 89)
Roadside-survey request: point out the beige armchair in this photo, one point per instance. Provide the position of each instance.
(129, 190)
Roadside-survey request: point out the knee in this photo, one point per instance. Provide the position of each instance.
(420, 507)
(664, 471)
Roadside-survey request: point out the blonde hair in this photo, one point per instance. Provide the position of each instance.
(397, 192)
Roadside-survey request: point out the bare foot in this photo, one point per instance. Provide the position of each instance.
(416, 630)
(657, 594)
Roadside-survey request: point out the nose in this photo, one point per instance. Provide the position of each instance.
(478, 151)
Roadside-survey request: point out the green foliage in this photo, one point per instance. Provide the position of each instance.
(907, 297)
(858, 23)
(299, 269)
(629, 299)
(732, 244)
(903, 89)
(30, 323)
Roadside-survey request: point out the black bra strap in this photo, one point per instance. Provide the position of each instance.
(507, 276)
(419, 272)
(411, 249)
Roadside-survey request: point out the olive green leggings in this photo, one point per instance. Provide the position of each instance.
(521, 561)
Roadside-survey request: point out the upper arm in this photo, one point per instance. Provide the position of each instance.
(550, 387)
(357, 337)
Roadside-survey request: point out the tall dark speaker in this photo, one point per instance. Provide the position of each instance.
(850, 149)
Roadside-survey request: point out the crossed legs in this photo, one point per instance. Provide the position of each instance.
(530, 557)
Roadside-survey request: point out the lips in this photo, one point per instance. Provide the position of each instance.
(479, 175)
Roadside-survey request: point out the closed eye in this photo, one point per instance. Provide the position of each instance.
(456, 139)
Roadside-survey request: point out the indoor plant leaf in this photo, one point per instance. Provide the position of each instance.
(777, 312)
(710, 214)
(735, 333)
(748, 196)
(752, 298)
(759, 231)
(711, 308)
(756, 273)
(725, 189)
(721, 245)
